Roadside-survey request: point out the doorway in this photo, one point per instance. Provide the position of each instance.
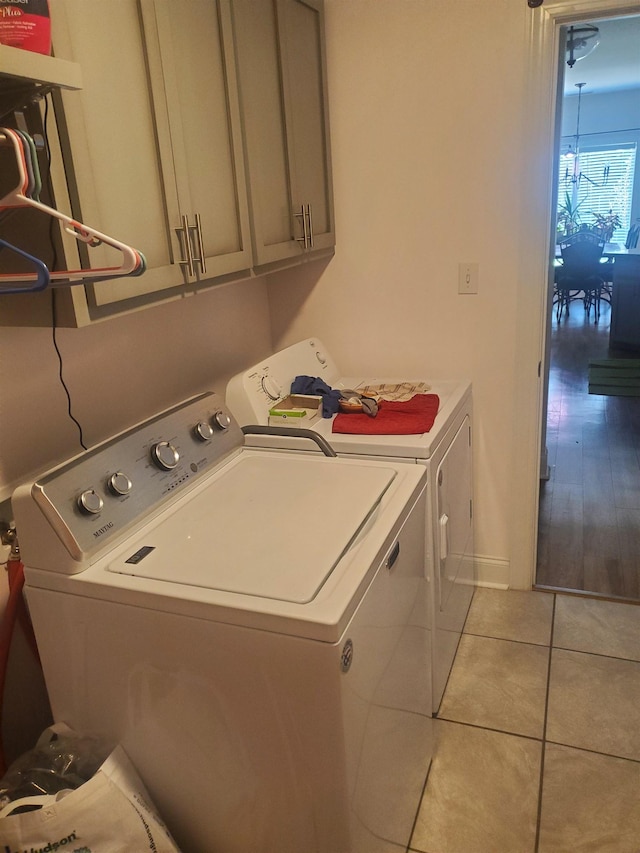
(589, 503)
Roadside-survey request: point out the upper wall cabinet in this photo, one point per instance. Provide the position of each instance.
(200, 137)
(282, 73)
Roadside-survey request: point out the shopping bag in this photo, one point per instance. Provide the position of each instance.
(110, 813)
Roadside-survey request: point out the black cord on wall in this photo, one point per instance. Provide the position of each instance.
(60, 367)
(54, 312)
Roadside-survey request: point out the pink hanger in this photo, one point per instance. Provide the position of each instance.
(133, 262)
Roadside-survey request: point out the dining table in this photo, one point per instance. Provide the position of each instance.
(619, 268)
(610, 252)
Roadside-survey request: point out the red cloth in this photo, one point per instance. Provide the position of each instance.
(412, 417)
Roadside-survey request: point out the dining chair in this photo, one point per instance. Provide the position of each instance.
(580, 274)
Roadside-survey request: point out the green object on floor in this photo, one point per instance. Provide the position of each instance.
(615, 376)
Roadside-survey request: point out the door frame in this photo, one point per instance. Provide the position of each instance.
(536, 227)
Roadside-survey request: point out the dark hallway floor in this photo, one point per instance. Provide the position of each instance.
(589, 521)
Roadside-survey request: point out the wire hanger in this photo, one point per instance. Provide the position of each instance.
(25, 195)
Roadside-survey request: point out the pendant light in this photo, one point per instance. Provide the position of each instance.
(581, 41)
(573, 175)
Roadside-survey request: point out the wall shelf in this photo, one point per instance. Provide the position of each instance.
(26, 76)
(25, 66)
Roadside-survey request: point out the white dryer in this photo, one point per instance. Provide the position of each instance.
(445, 451)
(252, 626)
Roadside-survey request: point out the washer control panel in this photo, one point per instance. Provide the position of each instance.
(97, 495)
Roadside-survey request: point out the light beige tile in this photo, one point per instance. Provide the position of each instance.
(589, 803)
(482, 793)
(498, 684)
(594, 703)
(511, 615)
(600, 627)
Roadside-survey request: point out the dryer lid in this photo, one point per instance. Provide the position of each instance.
(269, 525)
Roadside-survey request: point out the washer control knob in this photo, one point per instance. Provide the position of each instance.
(165, 455)
(221, 420)
(203, 431)
(90, 502)
(271, 388)
(119, 484)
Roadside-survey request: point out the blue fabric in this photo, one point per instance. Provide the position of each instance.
(316, 386)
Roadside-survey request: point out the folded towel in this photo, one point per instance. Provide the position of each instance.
(400, 391)
(412, 417)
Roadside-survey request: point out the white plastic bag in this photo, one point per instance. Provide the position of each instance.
(111, 813)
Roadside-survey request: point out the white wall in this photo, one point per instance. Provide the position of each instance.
(426, 105)
(601, 112)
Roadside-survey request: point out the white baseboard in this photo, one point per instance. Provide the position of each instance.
(492, 573)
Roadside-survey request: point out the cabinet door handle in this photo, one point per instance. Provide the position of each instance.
(186, 246)
(198, 229)
(305, 236)
(310, 226)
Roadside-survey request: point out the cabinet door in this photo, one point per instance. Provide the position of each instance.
(281, 60)
(112, 165)
(154, 137)
(301, 28)
(193, 80)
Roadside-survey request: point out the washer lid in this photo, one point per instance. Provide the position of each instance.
(273, 526)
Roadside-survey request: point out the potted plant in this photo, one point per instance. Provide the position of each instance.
(568, 216)
(606, 224)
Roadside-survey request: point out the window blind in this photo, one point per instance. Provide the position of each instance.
(616, 193)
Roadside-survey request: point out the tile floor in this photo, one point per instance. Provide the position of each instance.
(538, 733)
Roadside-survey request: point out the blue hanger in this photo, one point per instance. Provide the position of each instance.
(42, 271)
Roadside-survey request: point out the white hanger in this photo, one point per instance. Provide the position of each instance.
(133, 262)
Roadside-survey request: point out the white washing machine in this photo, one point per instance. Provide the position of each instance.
(445, 451)
(252, 626)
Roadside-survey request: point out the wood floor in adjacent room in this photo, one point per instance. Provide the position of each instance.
(589, 520)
